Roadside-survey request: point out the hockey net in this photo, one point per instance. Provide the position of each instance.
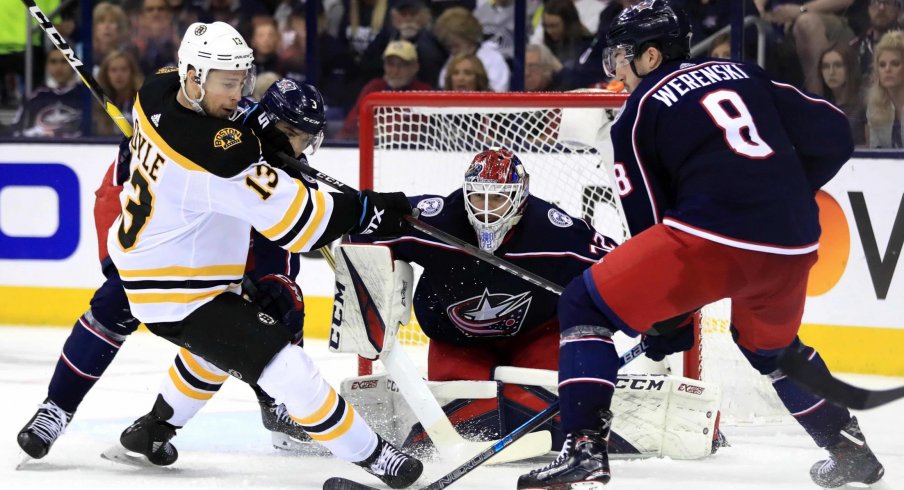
(421, 143)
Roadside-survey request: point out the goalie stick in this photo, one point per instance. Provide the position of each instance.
(795, 365)
(338, 483)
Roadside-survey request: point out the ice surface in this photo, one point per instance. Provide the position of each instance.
(225, 446)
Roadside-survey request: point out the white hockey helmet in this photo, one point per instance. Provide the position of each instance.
(498, 184)
(214, 46)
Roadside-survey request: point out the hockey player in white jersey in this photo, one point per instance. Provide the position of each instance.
(198, 185)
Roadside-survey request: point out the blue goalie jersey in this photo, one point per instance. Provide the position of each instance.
(720, 150)
(462, 300)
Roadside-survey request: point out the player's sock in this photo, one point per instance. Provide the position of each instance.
(588, 366)
(293, 379)
(821, 419)
(88, 350)
(190, 383)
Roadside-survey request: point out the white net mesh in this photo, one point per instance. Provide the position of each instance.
(425, 150)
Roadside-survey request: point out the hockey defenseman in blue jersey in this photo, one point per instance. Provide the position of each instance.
(717, 168)
(477, 316)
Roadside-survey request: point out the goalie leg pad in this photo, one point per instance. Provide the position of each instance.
(450, 362)
(230, 333)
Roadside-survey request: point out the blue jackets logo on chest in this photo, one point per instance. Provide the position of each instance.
(490, 314)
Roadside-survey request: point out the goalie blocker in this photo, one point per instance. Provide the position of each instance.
(658, 415)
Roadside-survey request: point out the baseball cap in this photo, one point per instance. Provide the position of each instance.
(402, 49)
(408, 5)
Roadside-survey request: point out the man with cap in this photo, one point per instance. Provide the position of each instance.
(400, 66)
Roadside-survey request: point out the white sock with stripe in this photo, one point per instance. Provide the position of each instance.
(190, 383)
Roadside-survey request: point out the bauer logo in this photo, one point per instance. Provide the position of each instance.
(692, 389)
(39, 211)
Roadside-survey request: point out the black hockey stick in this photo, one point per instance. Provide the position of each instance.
(433, 231)
(796, 365)
(535, 422)
(83, 72)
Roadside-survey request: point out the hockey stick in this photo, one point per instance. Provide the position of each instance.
(795, 365)
(338, 483)
(433, 231)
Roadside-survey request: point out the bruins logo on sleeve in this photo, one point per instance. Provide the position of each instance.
(226, 138)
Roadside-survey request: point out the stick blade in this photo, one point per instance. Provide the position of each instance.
(798, 367)
(337, 483)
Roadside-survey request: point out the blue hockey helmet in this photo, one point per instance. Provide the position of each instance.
(298, 104)
(649, 22)
(496, 191)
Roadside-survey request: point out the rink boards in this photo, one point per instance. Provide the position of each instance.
(48, 250)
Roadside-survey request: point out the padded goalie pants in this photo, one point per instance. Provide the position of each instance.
(663, 272)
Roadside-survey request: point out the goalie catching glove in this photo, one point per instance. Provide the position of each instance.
(372, 299)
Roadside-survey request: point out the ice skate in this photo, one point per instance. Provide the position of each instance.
(286, 433)
(850, 461)
(39, 434)
(391, 466)
(146, 441)
(583, 462)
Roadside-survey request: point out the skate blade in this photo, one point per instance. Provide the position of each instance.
(121, 455)
(23, 460)
(284, 442)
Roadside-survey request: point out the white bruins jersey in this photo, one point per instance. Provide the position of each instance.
(197, 187)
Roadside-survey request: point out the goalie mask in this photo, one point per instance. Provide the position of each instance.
(299, 105)
(495, 190)
(214, 46)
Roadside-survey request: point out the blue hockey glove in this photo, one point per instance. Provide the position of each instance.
(281, 298)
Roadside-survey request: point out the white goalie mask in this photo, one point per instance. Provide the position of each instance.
(495, 191)
(214, 46)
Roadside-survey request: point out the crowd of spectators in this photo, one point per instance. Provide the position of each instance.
(849, 51)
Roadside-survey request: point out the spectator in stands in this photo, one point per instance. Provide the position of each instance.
(334, 60)
(721, 47)
(811, 27)
(54, 110)
(563, 32)
(110, 31)
(466, 74)
(157, 41)
(497, 18)
(120, 78)
(400, 68)
(262, 82)
(12, 49)
(361, 22)
(410, 21)
(241, 14)
(542, 70)
(265, 43)
(183, 14)
(840, 75)
(884, 16)
(885, 106)
(461, 33)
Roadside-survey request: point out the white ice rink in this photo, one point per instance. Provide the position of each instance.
(226, 447)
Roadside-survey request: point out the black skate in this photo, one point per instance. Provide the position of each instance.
(393, 467)
(43, 429)
(286, 433)
(146, 441)
(850, 461)
(583, 462)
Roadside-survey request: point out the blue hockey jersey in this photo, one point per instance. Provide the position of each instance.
(720, 150)
(460, 299)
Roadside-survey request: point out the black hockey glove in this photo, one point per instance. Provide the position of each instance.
(670, 336)
(281, 298)
(382, 213)
(272, 140)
